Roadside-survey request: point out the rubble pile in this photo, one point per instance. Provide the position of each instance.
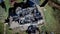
(27, 15)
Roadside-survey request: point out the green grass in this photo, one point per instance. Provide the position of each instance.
(1, 28)
(8, 31)
(7, 3)
(49, 18)
(51, 22)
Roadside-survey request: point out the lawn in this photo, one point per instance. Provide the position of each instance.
(1, 28)
(52, 24)
(49, 18)
(6, 15)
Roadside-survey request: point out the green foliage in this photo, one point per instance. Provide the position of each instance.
(17, 33)
(56, 1)
(51, 21)
(49, 18)
(1, 28)
(8, 30)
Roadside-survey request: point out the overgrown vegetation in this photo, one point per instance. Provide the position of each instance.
(1, 28)
(8, 30)
(52, 18)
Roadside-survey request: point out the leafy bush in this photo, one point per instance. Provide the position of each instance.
(16, 33)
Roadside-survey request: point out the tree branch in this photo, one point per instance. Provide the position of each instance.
(53, 4)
